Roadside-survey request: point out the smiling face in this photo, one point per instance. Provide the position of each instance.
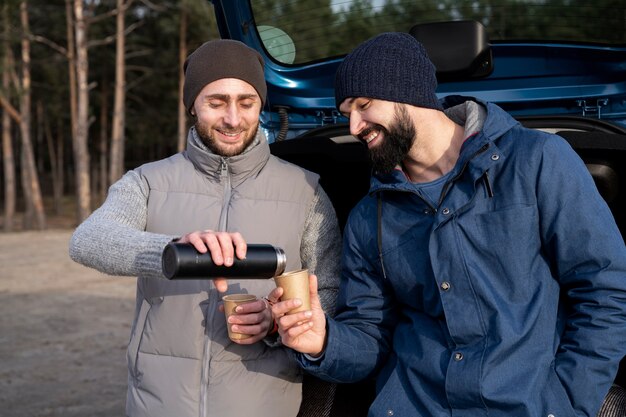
(227, 115)
(386, 128)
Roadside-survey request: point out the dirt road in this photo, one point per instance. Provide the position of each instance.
(63, 331)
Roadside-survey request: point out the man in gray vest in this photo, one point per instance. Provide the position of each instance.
(224, 189)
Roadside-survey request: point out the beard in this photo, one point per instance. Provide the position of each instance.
(397, 141)
(204, 133)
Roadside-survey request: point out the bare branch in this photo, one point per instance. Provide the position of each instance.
(12, 111)
(153, 6)
(111, 38)
(136, 54)
(138, 80)
(98, 18)
(12, 71)
(51, 44)
(139, 68)
(106, 41)
(127, 5)
(110, 13)
(133, 26)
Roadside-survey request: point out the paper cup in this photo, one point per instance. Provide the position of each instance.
(231, 302)
(295, 284)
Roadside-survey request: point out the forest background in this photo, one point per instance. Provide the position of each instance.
(88, 90)
(92, 88)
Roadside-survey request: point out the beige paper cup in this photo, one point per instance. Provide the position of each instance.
(231, 301)
(295, 284)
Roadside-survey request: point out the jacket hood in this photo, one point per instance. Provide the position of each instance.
(497, 122)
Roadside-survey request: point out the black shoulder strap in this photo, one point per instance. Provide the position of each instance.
(380, 233)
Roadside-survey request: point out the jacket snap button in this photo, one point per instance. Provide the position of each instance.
(445, 211)
(445, 285)
(459, 357)
(495, 157)
(550, 415)
(389, 412)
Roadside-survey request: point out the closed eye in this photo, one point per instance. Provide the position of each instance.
(364, 105)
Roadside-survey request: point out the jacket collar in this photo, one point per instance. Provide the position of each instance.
(240, 167)
(497, 121)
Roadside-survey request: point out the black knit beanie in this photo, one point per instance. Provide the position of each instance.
(222, 58)
(391, 66)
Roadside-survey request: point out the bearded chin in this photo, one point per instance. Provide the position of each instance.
(397, 141)
(209, 141)
(206, 137)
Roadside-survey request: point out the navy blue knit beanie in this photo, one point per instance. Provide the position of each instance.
(391, 66)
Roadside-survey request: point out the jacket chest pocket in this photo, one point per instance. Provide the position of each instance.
(504, 244)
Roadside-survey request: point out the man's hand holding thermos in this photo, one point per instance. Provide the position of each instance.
(218, 255)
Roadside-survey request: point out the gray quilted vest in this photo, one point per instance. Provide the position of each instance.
(181, 362)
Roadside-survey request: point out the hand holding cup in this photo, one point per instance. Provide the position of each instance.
(248, 319)
(295, 284)
(301, 327)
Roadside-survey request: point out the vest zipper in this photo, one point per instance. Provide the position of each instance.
(225, 179)
(213, 297)
(206, 359)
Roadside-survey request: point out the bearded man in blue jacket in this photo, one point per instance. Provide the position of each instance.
(483, 274)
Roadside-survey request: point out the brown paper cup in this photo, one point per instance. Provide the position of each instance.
(295, 284)
(231, 301)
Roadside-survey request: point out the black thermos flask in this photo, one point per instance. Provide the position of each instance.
(183, 261)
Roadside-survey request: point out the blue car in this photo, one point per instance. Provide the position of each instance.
(554, 65)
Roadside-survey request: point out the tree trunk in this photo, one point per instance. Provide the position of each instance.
(81, 151)
(71, 70)
(103, 141)
(8, 157)
(71, 61)
(118, 124)
(60, 162)
(39, 138)
(8, 162)
(28, 219)
(57, 190)
(32, 188)
(182, 48)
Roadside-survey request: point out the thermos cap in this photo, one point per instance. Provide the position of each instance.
(281, 260)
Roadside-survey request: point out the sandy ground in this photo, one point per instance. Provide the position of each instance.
(63, 331)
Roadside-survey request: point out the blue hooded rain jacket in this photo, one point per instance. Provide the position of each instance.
(507, 299)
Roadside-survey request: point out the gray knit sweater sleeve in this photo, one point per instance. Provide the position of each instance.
(321, 248)
(113, 239)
